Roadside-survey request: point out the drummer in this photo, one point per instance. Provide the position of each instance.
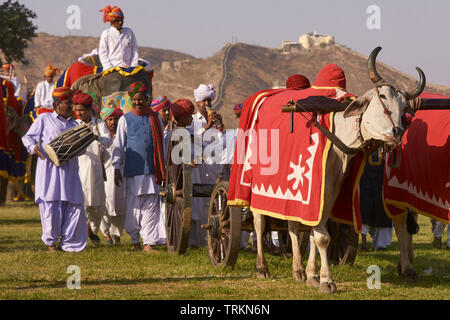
(91, 162)
(58, 190)
(138, 146)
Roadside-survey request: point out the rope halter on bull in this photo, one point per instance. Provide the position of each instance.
(368, 145)
(413, 98)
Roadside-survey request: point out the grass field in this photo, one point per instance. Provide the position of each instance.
(29, 271)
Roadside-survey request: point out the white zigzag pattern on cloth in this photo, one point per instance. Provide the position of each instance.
(408, 186)
(288, 194)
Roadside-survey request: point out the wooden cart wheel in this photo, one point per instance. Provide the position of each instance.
(343, 246)
(178, 194)
(224, 228)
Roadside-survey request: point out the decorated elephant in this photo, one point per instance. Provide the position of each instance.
(89, 77)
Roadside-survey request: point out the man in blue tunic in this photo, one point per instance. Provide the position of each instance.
(138, 148)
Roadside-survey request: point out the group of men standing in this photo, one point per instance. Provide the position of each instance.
(115, 183)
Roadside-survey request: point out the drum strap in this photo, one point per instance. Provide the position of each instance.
(102, 160)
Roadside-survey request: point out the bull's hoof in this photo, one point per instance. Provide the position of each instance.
(327, 287)
(263, 273)
(313, 282)
(299, 276)
(411, 276)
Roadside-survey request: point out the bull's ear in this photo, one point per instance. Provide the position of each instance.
(357, 107)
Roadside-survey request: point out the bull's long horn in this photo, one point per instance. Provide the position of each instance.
(373, 74)
(414, 94)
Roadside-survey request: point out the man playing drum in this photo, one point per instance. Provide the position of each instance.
(58, 190)
(138, 146)
(91, 163)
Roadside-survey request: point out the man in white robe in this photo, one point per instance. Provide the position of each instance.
(113, 220)
(118, 45)
(8, 72)
(206, 128)
(44, 89)
(91, 165)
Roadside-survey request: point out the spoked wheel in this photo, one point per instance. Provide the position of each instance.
(178, 194)
(224, 228)
(343, 246)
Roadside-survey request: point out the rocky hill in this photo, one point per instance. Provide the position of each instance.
(249, 68)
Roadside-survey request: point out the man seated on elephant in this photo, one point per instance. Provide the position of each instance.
(118, 45)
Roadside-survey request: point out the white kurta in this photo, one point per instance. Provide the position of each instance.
(203, 174)
(91, 171)
(114, 219)
(16, 84)
(115, 196)
(118, 49)
(43, 95)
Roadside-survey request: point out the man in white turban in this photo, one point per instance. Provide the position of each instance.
(208, 123)
(205, 92)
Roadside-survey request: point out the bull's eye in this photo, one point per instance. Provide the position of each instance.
(382, 96)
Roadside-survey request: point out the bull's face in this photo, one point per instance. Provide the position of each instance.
(382, 110)
(380, 113)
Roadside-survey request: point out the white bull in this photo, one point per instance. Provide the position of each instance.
(376, 115)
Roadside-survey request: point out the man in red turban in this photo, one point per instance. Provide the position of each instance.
(330, 82)
(91, 163)
(118, 45)
(331, 76)
(181, 112)
(8, 72)
(297, 82)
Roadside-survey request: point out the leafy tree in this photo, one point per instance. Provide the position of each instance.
(16, 30)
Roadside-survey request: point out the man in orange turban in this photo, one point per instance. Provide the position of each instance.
(118, 45)
(44, 89)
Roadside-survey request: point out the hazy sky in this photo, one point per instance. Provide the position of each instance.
(412, 33)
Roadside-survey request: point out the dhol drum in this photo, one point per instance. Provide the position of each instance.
(69, 144)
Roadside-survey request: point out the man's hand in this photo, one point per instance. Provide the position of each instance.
(214, 118)
(117, 177)
(37, 150)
